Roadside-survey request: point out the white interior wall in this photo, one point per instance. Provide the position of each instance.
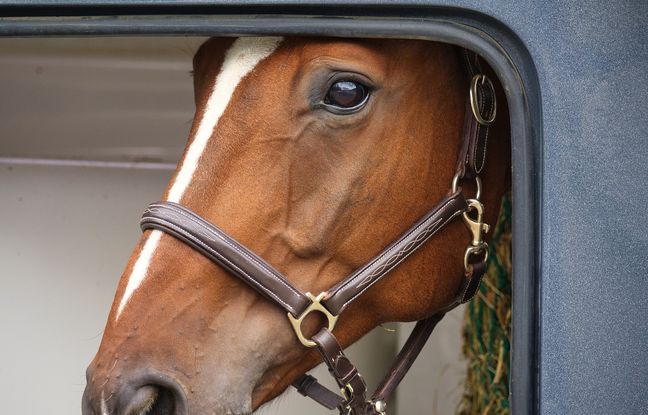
(66, 232)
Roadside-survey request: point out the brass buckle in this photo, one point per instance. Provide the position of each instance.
(315, 306)
(474, 100)
(347, 392)
(477, 229)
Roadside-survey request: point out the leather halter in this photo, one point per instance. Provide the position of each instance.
(222, 249)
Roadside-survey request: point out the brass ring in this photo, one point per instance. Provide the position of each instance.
(316, 306)
(475, 250)
(474, 100)
(478, 182)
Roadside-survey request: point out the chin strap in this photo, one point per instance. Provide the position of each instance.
(352, 386)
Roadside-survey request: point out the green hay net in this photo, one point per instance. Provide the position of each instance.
(487, 330)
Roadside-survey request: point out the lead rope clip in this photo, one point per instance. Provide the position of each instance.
(477, 228)
(473, 217)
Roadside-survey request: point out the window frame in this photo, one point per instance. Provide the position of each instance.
(496, 43)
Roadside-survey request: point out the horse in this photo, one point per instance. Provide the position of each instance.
(314, 153)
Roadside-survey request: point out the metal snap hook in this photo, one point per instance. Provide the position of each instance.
(476, 225)
(477, 229)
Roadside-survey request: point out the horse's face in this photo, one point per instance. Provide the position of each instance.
(315, 154)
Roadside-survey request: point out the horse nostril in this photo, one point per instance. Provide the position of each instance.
(154, 400)
(144, 399)
(141, 392)
(153, 394)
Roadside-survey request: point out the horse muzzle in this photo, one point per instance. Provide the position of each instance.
(138, 393)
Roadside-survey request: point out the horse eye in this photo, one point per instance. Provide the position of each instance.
(346, 94)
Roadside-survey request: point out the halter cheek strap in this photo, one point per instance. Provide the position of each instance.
(224, 250)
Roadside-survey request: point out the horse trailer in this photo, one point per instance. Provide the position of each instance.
(97, 107)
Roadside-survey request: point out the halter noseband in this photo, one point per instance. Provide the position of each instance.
(224, 250)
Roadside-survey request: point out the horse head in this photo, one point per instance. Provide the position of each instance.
(315, 154)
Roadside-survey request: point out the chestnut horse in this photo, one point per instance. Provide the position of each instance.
(314, 154)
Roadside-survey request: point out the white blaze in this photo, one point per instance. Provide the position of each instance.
(140, 268)
(240, 59)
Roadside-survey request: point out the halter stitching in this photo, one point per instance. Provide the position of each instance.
(401, 260)
(389, 251)
(208, 248)
(202, 225)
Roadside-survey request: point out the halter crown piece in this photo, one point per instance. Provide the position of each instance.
(222, 249)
